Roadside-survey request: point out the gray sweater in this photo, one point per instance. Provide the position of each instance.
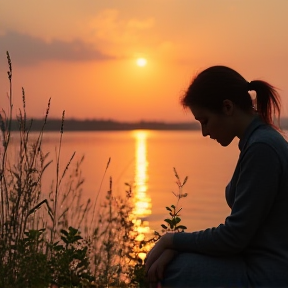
(257, 228)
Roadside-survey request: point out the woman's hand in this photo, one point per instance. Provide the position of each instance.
(156, 271)
(165, 242)
(160, 255)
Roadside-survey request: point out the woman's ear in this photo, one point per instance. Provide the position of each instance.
(228, 107)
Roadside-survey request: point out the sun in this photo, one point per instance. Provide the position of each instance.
(141, 62)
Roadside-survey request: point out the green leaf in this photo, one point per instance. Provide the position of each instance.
(73, 231)
(64, 239)
(76, 238)
(185, 180)
(181, 227)
(169, 209)
(177, 220)
(58, 248)
(64, 232)
(169, 221)
(175, 172)
(163, 226)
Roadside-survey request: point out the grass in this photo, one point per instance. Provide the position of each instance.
(40, 240)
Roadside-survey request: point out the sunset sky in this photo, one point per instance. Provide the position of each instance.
(83, 54)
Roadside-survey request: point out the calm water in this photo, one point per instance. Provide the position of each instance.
(146, 159)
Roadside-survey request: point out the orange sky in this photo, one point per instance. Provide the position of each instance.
(83, 54)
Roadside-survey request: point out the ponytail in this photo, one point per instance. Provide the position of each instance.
(215, 84)
(267, 101)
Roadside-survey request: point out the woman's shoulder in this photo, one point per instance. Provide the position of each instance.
(268, 135)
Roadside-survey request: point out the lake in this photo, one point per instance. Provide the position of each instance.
(145, 159)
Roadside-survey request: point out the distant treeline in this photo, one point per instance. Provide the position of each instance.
(110, 125)
(101, 125)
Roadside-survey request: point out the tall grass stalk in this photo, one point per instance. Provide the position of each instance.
(97, 195)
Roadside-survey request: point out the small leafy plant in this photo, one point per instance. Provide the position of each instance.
(70, 263)
(173, 223)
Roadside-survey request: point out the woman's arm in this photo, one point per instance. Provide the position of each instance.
(257, 185)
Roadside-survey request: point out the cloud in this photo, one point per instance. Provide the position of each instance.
(108, 26)
(28, 50)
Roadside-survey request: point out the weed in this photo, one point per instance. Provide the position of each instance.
(40, 239)
(174, 212)
(30, 226)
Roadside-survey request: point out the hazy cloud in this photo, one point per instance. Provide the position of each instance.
(110, 27)
(28, 50)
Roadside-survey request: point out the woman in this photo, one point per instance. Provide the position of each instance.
(251, 248)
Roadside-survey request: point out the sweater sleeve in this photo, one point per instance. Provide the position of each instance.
(256, 188)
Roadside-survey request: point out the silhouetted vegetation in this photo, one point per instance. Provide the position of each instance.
(47, 239)
(56, 239)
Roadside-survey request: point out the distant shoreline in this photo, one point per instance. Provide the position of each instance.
(102, 125)
(110, 125)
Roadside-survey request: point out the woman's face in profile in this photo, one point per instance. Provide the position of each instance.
(216, 125)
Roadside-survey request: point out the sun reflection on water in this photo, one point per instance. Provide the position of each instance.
(142, 202)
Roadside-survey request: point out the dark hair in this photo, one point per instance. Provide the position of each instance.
(215, 84)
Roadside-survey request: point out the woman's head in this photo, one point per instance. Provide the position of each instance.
(210, 88)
